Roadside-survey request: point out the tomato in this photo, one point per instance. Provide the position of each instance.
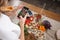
(31, 18)
(27, 22)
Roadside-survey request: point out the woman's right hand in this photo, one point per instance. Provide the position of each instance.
(22, 21)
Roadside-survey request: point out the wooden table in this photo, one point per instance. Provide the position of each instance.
(48, 13)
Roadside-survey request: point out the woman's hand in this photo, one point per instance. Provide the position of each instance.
(22, 21)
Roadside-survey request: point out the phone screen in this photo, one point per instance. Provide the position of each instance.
(23, 12)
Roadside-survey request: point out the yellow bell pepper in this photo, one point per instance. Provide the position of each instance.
(42, 28)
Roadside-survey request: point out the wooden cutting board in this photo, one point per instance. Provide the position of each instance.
(48, 13)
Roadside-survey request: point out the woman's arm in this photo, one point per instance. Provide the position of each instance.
(22, 22)
(22, 33)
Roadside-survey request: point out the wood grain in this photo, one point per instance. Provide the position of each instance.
(48, 13)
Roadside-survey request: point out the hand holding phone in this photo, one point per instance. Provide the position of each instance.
(24, 11)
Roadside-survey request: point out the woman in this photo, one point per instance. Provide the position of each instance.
(9, 30)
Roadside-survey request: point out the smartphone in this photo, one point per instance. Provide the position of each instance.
(24, 11)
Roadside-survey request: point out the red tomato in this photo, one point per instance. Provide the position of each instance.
(31, 18)
(27, 22)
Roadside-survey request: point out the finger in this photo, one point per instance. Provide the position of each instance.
(21, 17)
(26, 16)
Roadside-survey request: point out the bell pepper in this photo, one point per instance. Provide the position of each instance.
(42, 28)
(38, 16)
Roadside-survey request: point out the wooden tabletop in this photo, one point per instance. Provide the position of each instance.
(48, 13)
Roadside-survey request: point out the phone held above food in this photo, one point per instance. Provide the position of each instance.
(24, 11)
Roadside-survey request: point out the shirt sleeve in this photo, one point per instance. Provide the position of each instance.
(8, 35)
(15, 28)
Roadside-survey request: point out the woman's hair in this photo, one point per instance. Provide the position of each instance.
(3, 2)
(5, 7)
